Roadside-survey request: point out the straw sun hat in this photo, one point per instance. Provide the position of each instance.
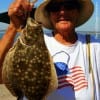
(42, 16)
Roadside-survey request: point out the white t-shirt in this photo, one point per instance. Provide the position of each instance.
(71, 63)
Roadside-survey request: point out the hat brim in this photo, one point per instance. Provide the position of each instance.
(42, 16)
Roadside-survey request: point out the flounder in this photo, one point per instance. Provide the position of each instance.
(28, 68)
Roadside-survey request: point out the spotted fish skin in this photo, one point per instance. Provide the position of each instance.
(28, 37)
(28, 69)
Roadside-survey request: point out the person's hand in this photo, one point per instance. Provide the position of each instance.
(18, 12)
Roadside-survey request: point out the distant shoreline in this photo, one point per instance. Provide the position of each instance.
(97, 33)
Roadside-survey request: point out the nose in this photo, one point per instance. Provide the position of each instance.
(62, 10)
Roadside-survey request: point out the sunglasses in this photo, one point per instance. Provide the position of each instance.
(67, 5)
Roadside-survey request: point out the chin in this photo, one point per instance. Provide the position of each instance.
(65, 25)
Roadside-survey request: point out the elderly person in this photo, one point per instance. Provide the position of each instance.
(76, 56)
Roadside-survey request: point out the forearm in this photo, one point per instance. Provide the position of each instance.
(6, 42)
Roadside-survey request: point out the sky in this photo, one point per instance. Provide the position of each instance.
(93, 24)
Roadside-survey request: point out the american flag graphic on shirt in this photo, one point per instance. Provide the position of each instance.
(73, 77)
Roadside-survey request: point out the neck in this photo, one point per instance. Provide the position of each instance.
(66, 38)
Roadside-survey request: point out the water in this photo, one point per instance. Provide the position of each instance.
(1, 34)
(97, 35)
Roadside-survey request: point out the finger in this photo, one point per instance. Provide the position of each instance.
(20, 7)
(25, 4)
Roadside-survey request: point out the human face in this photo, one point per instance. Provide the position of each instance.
(64, 19)
(63, 14)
